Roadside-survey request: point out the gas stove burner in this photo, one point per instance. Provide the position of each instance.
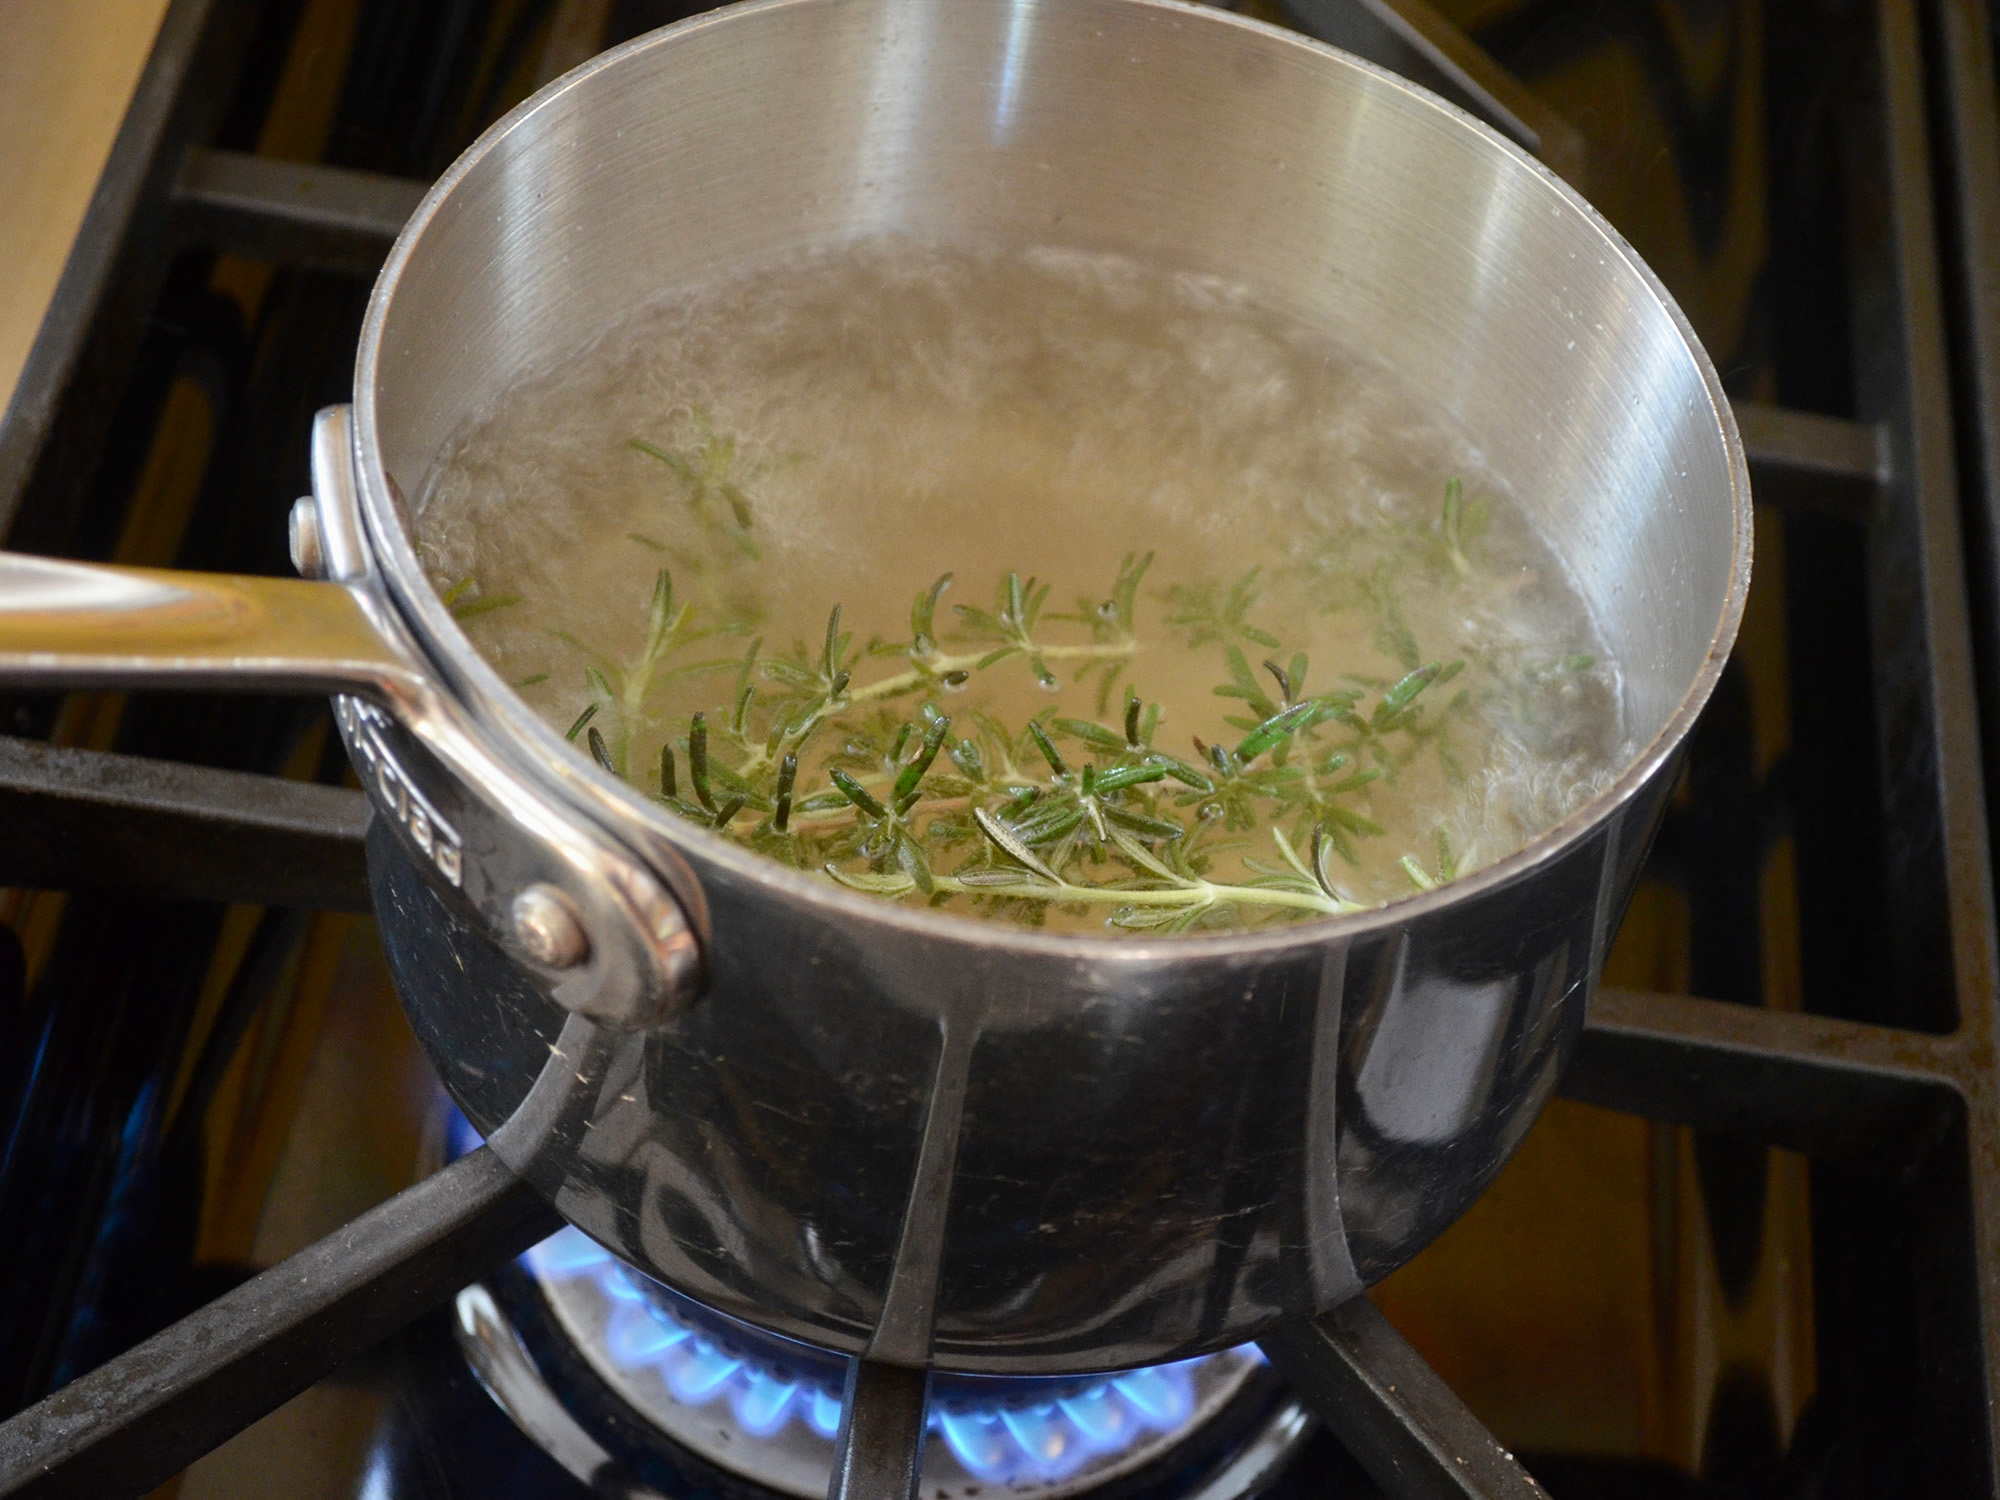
(769, 1409)
(765, 1410)
(584, 1352)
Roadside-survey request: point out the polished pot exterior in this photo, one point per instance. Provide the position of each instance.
(951, 1142)
(1003, 1161)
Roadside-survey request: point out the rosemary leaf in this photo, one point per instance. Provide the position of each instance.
(1152, 828)
(1089, 733)
(473, 609)
(698, 760)
(858, 794)
(1011, 846)
(1120, 777)
(788, 771)
(599, 752)
(1047, 746)
(874, 885)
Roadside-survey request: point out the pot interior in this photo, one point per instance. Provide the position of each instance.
(1336, 193)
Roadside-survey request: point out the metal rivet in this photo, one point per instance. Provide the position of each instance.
(547, 928)
(308, 557)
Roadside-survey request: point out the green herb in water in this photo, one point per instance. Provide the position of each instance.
(765, 559)
(851, 763)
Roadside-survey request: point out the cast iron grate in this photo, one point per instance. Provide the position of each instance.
(1896, 1099)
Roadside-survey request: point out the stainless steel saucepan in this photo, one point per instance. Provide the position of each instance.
(928, 1138)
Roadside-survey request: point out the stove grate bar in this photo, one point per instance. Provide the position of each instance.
(89, 819)
(1390, 1410)
(1415, 39)
(53, 433)
(298, 213)
(1871, 1097)
(1801, 461)
(880, 1446)
(1877, 1099)
(141, 1418)
(1812, 446)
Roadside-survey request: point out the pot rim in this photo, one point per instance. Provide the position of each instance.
(593, 793)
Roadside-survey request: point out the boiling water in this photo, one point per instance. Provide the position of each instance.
(847, 428)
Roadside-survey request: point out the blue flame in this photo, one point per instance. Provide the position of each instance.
(1047, 1429)
(1043, 1429)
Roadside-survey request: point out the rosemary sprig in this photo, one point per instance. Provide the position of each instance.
(1008, 631)
(466, 602)
(1159, 897)
(858, 773)
(1445, 870)
(712, 477)
(622, 688)
(1462, 528)
(1210, 612)
(1014, 821)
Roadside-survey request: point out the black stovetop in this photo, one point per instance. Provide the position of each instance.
(1754, 1250)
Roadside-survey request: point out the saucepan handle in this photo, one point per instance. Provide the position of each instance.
(81, 625)
(566, 897)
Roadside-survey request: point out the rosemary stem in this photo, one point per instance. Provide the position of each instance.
(1194, 893)
(840, 814)
(938, 665)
